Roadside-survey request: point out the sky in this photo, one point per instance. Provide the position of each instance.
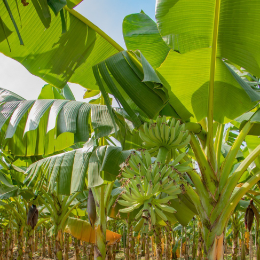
(107, 15)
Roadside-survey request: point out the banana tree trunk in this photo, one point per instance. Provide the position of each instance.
(76, 247)
(43, 242)
(20, 243)
(235, 226)
(147, 247)
(84, 244)
(66, 247)
(58, 245)
(158, 242)
(1, 243)
(49, 246)
(168, 244)
(29, 243)
(127, 240)
(10, 245)
(235, 245)
(100, 247)
(131, 244)
(250, 245)
(216, 251)
(243, 250)
(194, 244)
(36, 233)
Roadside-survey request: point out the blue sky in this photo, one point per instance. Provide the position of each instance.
(107, 15)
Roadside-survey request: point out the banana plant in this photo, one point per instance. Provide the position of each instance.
(151, 186)
(59, 208)
(208, 88)
(186, 74)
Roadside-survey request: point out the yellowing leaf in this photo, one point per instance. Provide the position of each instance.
(82, 230)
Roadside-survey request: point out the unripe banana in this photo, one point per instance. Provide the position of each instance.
(164, 170)
(156, 188)
(153, 217)
(162, 132)
(145, 184)
(135, 191)
(166, 208)
(130, 172)
(147, 140)
(159, 120)
(125, 203)
(127, 197)
(140, 188)
(146, 129)
(172, 190)
(177, 126)
(172, 123)
(139, 214)
(164, 200)
(183, 167)
(167, 132)
(164, 180)
(164, 119)
(148, 175)
(152, 135)
(178, 159)
(133, 166)
(157, 177)
(139, 225)
(160, 213)
(126, 175)
(157, 133)
(177, 141)
(149, 189)
(148, 158)
(138, 181)
(172, 136)
(130, 209)
(185, 142)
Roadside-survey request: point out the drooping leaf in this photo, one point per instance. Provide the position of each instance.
(68, 172)
(125, 69)
(46, 125)
(83, 231)
(75, 52)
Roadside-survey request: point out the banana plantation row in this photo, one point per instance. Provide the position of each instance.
(176, 165)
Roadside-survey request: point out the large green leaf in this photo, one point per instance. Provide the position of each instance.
(141, 32)
(187, 78)
(133, 82)
(66, 172)
(55, 57)
(187, 25)
(202, 33)
(45, 126)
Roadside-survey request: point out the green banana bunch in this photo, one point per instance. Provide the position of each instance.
(150, 186)
(170, 134)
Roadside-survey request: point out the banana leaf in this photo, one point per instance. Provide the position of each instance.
(70, 172)
(54, 56)
(45, 126)
(82, 230)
